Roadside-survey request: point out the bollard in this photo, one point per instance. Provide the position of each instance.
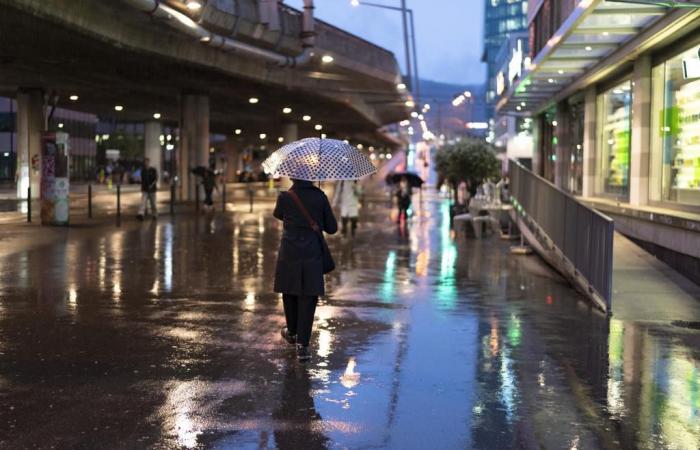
(29, 204)
(119, 205)
(223, 197)
(196, 197)
(172, 198)
(89, 201)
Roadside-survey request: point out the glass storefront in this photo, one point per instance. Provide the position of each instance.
(614, 143)
(675, 137)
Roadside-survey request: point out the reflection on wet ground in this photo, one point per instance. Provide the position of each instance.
(166, 336)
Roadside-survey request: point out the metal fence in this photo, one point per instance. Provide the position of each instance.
(583, 235)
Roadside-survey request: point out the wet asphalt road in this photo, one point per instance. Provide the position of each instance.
(165, 335)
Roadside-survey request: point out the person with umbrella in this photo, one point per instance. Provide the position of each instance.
(306, 214)
(149, 181)
(405, 182)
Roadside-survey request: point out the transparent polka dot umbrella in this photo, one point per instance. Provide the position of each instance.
(314, 159)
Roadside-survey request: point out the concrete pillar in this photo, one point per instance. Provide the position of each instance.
(589, 142)
(194, 140)
(151, 141)
(641, 132)
(31, 124)
(232, 153)
(563, 150)
(290, 132)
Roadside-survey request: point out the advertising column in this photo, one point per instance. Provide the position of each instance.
(55, 202)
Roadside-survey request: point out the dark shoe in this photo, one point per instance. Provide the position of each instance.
(292, 339)
(303, 353)
(139, 216)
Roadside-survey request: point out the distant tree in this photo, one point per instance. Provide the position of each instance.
(469, 160)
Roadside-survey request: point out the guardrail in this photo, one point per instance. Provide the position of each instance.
(578, 236)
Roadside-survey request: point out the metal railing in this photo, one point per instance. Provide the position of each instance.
(580, 234)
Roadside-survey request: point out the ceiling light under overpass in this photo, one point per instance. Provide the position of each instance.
(118, 108)
(401, 86)
(253, 100)
(73, 98)
(156, 115)
(306, 118)
(286, 110)
(263, 136)
(327, 59)
(318, 127)
(238, 131)
(194, 5)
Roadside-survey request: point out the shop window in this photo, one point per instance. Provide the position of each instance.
(614, 143)
(675, 143)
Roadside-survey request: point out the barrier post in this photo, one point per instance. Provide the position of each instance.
(119, 204)
(90, 201)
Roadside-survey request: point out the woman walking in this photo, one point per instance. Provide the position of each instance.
(347, 196)
(300, 263)
(403, 199)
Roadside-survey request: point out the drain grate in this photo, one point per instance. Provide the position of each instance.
(686, 324)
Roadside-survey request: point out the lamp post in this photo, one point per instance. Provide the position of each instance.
(407, 19)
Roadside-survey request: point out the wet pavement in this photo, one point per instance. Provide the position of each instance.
(166, 335)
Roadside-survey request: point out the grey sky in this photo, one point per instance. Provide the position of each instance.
(448, 33)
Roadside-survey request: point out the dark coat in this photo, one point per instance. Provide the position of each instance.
(149, 179)
(299, 262)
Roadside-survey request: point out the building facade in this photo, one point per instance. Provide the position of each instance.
(501, 19)
(613, 93)
(79, 126)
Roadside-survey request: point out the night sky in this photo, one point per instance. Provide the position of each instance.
(448, 33)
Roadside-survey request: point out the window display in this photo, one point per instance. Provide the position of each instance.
(615, 117)
(675, 163)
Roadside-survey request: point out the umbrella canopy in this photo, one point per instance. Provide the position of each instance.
(413, 179)
(314, 159)
(200, 171)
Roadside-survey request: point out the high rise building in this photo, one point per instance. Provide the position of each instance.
(502, 18)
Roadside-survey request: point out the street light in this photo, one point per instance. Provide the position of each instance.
(407, 15)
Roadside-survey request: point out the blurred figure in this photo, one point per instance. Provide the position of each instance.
(299, 271)
(149, 181)
(403, 198)
(249, 180)
(209, 184)
(347, 197)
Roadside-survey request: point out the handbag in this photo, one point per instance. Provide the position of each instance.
(328, 263)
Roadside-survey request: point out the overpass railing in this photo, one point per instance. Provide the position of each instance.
(579, 236)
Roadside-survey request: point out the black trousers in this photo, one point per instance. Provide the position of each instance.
(353, 224)
(299, 312)
(207, 196)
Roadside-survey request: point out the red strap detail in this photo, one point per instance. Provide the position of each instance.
(304, 211)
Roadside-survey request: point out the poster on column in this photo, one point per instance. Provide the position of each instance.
(55, 185)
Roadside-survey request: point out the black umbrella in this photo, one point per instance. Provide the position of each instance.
(413, 179)
(200, 171)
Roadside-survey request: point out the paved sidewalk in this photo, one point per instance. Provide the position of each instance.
(645, 288)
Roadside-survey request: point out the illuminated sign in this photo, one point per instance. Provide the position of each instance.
(515, 66)
(500, 83)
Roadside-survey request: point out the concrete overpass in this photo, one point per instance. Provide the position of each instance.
(196, 69)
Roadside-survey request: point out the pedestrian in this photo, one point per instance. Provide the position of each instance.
(403, 198)
(347, 197)
(249, 180)
(209, 183)
(300, 262)
(149, 181)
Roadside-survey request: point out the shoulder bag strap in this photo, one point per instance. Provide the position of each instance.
(304, 211)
